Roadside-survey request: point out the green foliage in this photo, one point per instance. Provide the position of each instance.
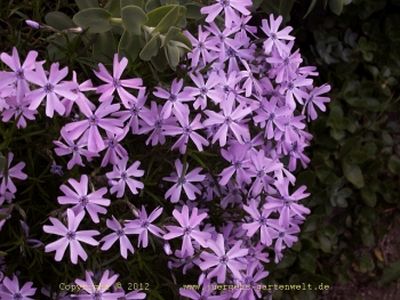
(129, 27)
(355, 159)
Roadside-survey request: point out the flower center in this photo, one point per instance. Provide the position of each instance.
(158, 124)
(83, 200)
(181, 180)
(172, 98)
(260, 173)
(120, 232)
(124, 176)
(274, 36)
(70, 235)
(48, 88)
(187, 230)
(223, 259)
(17, 296)
(281, 234)
(237, 165)
(262, 221)
(93, 120)
(228, 120)
(187, 130)
(97, 295)
(203, 90)
(19, 74)
(145, 224)
(116, 83)
(224, 3)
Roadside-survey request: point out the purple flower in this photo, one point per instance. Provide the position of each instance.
(89, 128)
(237, 155)
(32, 24)
(98, 291)
(222, 260)
(83, 201)
(293, 89)
(12, 172)
(143, 225)
(203, 90)
(70, 237)
(276, 38)
(134, 112)
(250, 280)
(17, 76)
(18, 107)
(261, 167)
(315, 98)
(260, 222)
(183, 181)
(121, 176)
(10, 289)
(77, 149)
(186, 130)
(188, 229)
(115, 83)
(115, 151)
(118, 234)
(50, 88)
(229, 119)
(154, 122)
(287, 204)
(206, 292)
(84, 104)
(174, 98)
(200, 48)
(231, 9)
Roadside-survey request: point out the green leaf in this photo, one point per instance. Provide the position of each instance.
(58, 20)
(133, 17)
(172, 55)
(336, 6)
(193, 11)
(151, 48)
(353, 174)
(3, 161)
(308, 261)
(310, 8)
(129, 46)
(390, 273)
(83, 4)
(139, 3)
(394, 164)
(369, 197)
(96, 20)
(104, 46)
(151, 5)
(162, 18)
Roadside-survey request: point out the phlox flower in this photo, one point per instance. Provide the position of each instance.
(91, 125)
(119, 234)
(17, 76)
(99, 290)
(276, 37)
(76, 148)
(82, 201)
(222, 260)
(115, 83)
(315, 98)
(261, 222)
(154, 121)
(143, 225)
(295, 89)
(203, 88)
(50, 88)
(200, 48)
(18, 107)
(175, 98)
(237, 155)
(229, 119)
(188, 229)
(232, 10)
(121, 176)
(250, 280)
(183, 181)
(287, 204)
(10, 289)
(10, 173)
(186, 130)
(115, 151)
(70, 237)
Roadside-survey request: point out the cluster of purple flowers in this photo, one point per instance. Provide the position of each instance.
(245, 100)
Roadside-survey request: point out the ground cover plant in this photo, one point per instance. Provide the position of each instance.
(147, 145)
